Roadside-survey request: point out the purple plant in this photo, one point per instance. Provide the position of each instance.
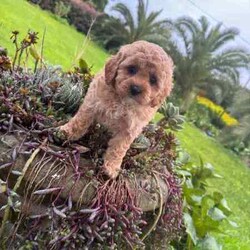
(113, 217)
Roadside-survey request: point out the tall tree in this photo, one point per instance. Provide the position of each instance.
(204, 58)
(115, 31)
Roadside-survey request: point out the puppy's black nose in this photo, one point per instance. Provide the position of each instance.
(135, 90)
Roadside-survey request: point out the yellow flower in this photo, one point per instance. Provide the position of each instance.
(217, 109)
(229, 120)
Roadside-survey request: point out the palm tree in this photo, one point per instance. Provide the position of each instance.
(114, 32)
(204, 60)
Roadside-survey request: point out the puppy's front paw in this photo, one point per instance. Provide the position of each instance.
(111, 171)
(59, 135)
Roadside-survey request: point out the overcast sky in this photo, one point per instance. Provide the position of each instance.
(232, 13)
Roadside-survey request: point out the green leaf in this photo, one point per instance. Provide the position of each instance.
(141, 142)
(171, 247)
(221, 203)
(233, 223)
(180, 119)
(205, 206)
(205, 225)
(34, 53)
(209, 166)
(83, 66)
(217, 176)
(218, 196)
(183, 172)
(189, 183)
(170, 109)
(216, 214)
(224, 207)
(196, 198)
(177, 127)
(184, 158)
(208, 171)
(190, 229)
(208, 243)
(191, 195)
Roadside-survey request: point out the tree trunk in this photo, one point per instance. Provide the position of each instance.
(188, 99)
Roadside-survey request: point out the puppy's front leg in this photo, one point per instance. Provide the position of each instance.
(79, 124)
(117, 148)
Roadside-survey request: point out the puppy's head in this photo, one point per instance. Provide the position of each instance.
(142, 72)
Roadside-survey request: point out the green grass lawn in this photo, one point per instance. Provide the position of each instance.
(62, 42)
(61, 45)
(235, 183)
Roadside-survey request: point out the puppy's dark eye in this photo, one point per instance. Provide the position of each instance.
(153, 80)
(132, 70)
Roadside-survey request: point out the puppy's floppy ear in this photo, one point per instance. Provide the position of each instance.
(159, 99)
(111, 68)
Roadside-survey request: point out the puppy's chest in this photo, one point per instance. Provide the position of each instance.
(117, 117)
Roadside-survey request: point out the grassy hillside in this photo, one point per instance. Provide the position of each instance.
(235, 184)
(62, 42)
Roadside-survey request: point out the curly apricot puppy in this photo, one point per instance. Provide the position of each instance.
(124, 98)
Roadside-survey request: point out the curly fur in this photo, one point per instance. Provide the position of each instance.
(109, 100)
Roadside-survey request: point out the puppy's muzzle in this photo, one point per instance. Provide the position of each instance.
(135, 90)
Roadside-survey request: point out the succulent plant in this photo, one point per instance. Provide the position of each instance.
(63, 91)
(172, 118)
(69, 96)
(30, 104)
(141, 142)
(43, 75)
(113, 218)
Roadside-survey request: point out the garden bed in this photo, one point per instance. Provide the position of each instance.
(54, 194)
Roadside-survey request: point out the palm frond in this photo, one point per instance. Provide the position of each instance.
(182, 32)
(223, 37)
(204, 24)
(127, 29)
(127, 16)
(189, 24)
(141, 13)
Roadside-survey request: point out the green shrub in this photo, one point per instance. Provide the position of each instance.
(200, 116)
(78, 13)
(204, 210)
(61, 9)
